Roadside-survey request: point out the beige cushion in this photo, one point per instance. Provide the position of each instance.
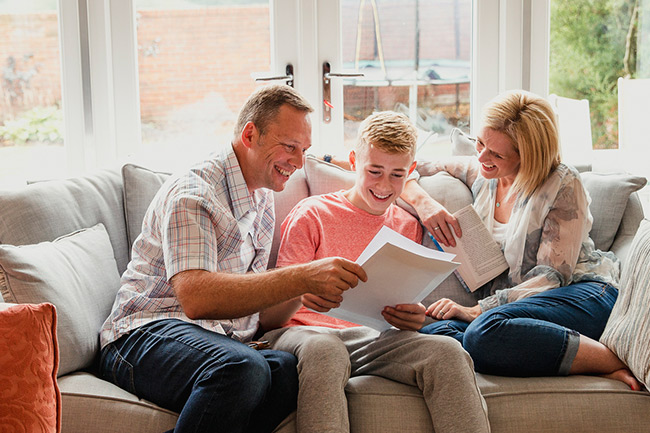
(609, 194)
(515, 405)
(92, 404)
(140, 187)
(627, 332)
(78, 274)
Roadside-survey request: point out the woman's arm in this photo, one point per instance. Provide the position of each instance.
(433, 215)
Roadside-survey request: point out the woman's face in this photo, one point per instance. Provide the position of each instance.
(497, 155)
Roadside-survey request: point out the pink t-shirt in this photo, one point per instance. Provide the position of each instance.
(329, 225)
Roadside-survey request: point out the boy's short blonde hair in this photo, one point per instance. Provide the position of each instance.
(388, 131)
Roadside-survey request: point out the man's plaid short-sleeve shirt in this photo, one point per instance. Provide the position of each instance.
(204, 219)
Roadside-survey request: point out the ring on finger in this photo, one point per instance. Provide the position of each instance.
(436, 228)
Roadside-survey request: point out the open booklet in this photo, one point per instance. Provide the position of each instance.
(481, 259)
(399, 271)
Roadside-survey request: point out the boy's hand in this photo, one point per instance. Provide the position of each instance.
(407, 317)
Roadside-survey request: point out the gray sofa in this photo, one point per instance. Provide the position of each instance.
(45, 211)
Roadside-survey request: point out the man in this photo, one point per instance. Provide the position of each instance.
(196, 289)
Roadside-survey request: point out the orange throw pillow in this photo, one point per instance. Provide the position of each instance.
(30, 400)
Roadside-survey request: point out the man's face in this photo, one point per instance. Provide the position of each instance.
(280, 151)
(381, 177)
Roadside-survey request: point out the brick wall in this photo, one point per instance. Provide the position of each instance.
(184, 55)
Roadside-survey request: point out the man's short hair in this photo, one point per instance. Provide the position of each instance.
(263, 105)
(388, 131)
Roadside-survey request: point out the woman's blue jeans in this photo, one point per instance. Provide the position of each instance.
(217, 384)
(534, 336)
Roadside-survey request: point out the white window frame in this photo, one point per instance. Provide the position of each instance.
(100, 72)
(101, 103)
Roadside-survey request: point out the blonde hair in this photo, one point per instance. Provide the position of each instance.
(529, 122)
(263, 105)
(389, 132)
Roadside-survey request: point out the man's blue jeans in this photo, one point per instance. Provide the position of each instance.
(534, 336)
(217, 384)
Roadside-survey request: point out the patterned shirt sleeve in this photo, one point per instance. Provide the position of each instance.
(189, 232)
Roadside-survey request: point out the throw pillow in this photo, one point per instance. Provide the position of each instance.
(628, 329)
(78, 274)
(324, 177)
(140, 187)
(462, 144)
(30, 399)
(609, 194)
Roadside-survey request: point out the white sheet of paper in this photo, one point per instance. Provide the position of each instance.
(400, 271)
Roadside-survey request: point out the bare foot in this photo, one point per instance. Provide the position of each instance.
(624, 375)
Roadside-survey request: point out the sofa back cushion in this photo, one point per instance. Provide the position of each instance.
(140, 187)
(44, 211)
(610, 194)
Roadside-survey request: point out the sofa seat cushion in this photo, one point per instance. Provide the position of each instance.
(88, 401)
(532, 405)
(563, 404)
(78, 274)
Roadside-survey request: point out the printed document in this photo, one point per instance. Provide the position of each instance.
(399, 271)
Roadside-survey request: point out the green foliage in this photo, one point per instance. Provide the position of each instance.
(587, 49)
(40, 124)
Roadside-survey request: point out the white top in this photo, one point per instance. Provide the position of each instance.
(499, 231)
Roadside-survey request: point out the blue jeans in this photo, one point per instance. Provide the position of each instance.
(217, 384)
(534, 336)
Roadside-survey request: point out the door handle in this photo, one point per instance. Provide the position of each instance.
(288, 77)
(327, 92)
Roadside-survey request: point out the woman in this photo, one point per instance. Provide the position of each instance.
(545, 314)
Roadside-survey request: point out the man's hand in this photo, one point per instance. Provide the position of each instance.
(327, 279)
(319, 303)
(445, 309)
(407, 317)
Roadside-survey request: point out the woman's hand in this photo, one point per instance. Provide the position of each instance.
(407, 317)
(433, 215)
(445, 309)
(438, 220)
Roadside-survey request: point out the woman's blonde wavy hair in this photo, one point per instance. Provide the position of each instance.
(529, 122)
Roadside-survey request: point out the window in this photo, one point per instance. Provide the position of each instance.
(593, 43)
(415, 56)
(31, 119)
(195, 60)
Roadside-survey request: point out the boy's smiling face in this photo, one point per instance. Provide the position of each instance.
(381, 177)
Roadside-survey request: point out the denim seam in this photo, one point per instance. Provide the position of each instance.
(119, 359)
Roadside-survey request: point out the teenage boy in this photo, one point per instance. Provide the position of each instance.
(330, 350)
